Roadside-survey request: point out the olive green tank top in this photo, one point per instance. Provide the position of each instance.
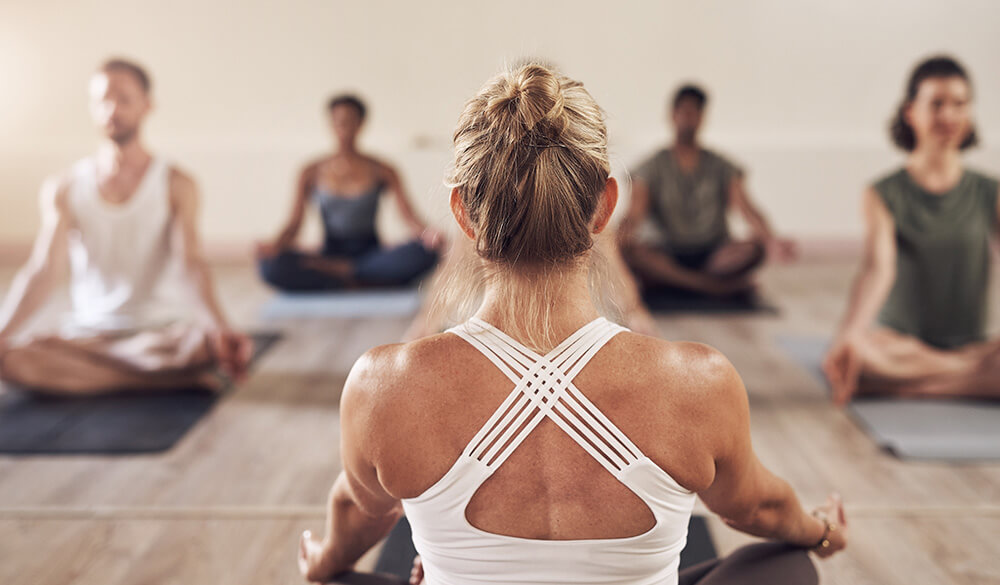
(942, 258)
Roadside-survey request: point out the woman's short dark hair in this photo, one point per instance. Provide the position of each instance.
(690, 92)
(347, 100)
(933, 68)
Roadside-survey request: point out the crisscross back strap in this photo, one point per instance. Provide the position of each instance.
(543, 387)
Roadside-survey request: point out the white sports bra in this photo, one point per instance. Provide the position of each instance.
(456, 553)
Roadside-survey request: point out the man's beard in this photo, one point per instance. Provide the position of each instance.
(124, 136)
(686, 136)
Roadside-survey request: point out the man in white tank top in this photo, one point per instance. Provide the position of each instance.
(120, 217)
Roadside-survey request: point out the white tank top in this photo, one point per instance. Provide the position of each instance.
(456, 553)
(119, 252)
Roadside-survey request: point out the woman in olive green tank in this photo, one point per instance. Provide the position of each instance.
(915, 324)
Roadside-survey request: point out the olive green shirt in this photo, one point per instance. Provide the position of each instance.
(942, 258)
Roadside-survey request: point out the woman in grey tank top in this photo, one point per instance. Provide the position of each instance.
(346, 188)
(915, 324)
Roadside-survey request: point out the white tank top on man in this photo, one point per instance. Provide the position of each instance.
(120, 252)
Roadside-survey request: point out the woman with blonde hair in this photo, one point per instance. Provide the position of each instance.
(538, 442)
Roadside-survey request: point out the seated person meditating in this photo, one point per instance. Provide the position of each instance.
(119, 216)
(915, 324)
(676, 234)
(539, 442)
(346, 188)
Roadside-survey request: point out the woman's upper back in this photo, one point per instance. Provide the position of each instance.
(436, 395)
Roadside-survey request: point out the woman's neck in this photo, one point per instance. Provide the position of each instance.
(565, 292)
(936, 162)
(346, 149)
(937, 170)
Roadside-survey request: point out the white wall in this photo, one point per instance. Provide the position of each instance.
(801, 89)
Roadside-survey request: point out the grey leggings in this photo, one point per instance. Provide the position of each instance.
(765, 563)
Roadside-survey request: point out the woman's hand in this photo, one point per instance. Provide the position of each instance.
(267, 250)
(782, 249)
(314, 563)
(832, 513)
(842, 366)
(417, 572)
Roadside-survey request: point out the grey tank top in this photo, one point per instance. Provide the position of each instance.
(347, 218)
(942, 258)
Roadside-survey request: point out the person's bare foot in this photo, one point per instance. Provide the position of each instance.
(332, 266)
(212, 381)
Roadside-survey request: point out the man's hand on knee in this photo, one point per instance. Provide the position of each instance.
(232, 351)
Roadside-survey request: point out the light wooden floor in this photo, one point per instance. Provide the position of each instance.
(227, 504)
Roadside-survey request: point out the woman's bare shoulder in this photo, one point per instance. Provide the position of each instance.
(690, 372)
(401, 372)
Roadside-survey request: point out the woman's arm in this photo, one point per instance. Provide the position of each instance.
(842, 364)
(878, 267)
(746, 494)
(288, 234)
(360, 512)
(431, 238)
(996, 234)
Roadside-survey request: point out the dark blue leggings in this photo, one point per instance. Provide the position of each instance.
(374, 266)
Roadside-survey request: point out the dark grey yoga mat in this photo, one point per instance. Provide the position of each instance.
(397, 554)
(670, 300)
(929, 429)
(120, 423)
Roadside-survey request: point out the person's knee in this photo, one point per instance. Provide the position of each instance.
(774, 562)
(398, 266)
(271, 270)
(26, 366)
(12, 365)
(629, 251)
(284, 272)
(637, 256)
(752, 253)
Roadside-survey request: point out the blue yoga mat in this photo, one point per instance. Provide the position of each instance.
(925, 428)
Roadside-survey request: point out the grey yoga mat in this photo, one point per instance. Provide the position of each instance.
(930, 429)
(345, 304)
(397, 554)
(120, 423)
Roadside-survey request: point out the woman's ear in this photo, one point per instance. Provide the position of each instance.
(606, 207)
(461, 214)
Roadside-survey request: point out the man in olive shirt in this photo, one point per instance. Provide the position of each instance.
(676, 233)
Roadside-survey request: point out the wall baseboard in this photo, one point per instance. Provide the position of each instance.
(14, 253)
